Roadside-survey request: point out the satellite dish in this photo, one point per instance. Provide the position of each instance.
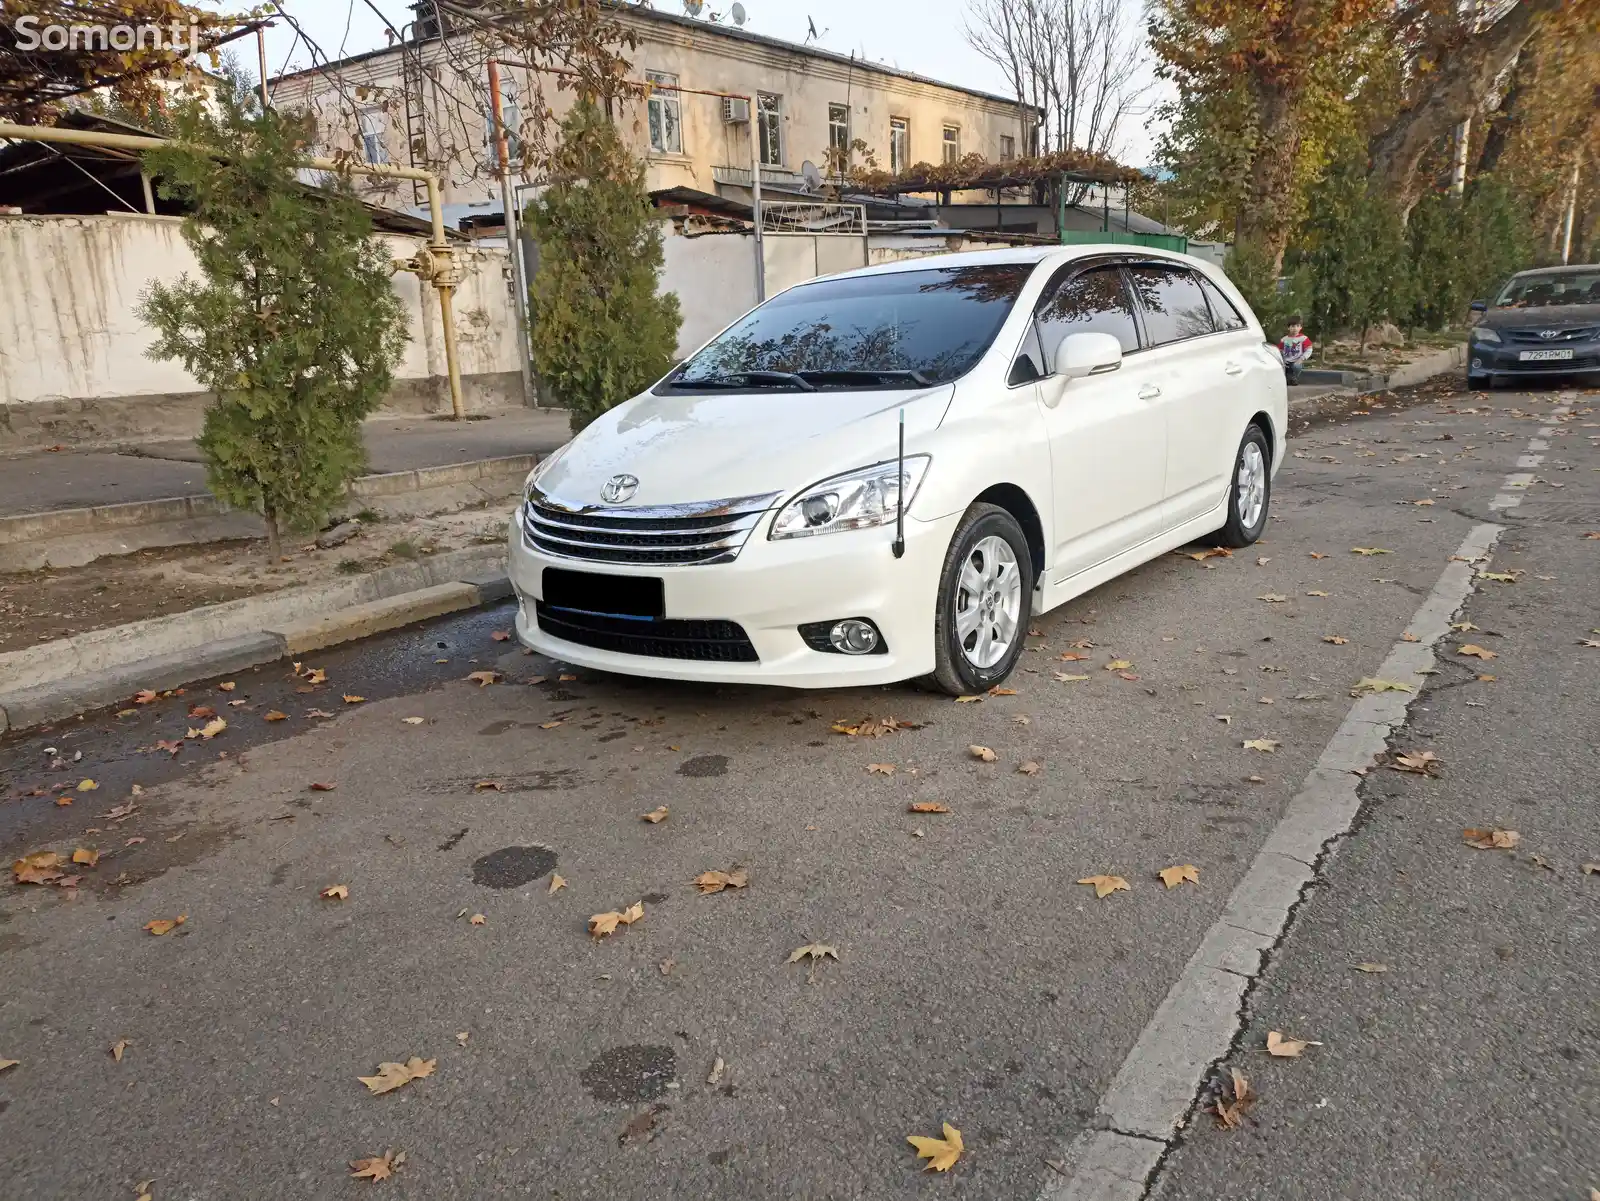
(693, 7)
(812, 176)
(738, 13)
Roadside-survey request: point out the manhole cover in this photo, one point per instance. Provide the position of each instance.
(631, 1074)
(512, 867)
(704, 765)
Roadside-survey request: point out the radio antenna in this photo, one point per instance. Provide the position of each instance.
(899, 546)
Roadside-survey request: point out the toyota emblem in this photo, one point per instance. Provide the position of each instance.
(619, 488)
(1549, 333)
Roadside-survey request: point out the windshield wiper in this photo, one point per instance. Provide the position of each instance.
(853, 375)
(741, 379)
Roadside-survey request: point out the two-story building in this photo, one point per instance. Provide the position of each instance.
(423, 102)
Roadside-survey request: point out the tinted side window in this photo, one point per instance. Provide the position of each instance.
(1174, 305)
(1222, 311)
(1094, 302)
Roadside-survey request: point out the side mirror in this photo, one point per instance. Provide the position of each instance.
(1479, 306)
(1079, 355)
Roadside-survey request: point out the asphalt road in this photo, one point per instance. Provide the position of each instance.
(975, 982)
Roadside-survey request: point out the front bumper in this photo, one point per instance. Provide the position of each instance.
(1499, 359)
(770, 590)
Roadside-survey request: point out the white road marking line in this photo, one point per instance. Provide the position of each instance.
(1152, 1093)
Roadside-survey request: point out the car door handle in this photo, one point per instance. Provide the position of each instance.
(1149, 392)
(1233, 368)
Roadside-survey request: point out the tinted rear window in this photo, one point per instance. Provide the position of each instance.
(936, 323)
(1174, 306)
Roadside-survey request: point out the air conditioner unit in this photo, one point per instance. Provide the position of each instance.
(735, 112)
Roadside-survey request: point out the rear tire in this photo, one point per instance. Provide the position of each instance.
(1249, 491)
(985, 602)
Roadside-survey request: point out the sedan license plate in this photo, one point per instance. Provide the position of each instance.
(1542, 356)
(611, 595)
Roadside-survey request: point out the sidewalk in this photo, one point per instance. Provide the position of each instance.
(47, 481)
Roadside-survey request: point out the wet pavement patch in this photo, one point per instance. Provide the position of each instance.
(704, 765)
(631, 1074)
(512, 867)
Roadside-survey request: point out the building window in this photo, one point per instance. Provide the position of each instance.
(899, 144)
(511, 114)
(769, 116)
(839, 132)
(952, 143)
(372, 121)
(666, 113)
(1008, 148)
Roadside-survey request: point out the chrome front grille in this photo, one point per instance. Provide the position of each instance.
(1534, 337)
(693, 535)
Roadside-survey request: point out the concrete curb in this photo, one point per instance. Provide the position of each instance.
(73, 537)
(1452, 358)
(61, 679)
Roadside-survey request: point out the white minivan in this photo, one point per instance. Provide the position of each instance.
(884, 475)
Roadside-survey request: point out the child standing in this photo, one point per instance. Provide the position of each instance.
(1296, 350)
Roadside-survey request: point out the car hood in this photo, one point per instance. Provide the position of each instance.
(1554, 316)
(689, 448)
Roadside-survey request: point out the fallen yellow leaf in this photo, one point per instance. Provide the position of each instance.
(982, 752)
(813, 950)
(8, 1063)
(84, 857)
(1273, 598)
(1492, 840)
(274, 715)
(927, 807)
(166, 925)
(413, 721)
(87, 786)
(352, 699)
(881, 769)
(556, 883)
(335, 892)
(1104, 886)
(477, 919)
(393, 1075)
(1030, 768)
(1316, 592)
(999, 691)
(1370, 550)
(1286, 1048)
(377, 1167)
(602, 924)
(1421, 763)
(1119, 665)
(117, 1049)
(715, 881)
(1336, 639)
(1368, 685)
(656, 816)
(1261, 744)
(227, 686)
(1176, 875)
(967, 700)
(1503, 577)
(1370, 967)
(1476, 651)
(484, 678)
(941, 1153)
(1063, 678)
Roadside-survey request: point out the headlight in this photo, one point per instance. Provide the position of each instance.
(1482, 334)
(541, 467)
(857, 500)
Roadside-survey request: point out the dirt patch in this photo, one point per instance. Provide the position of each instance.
(38, 606)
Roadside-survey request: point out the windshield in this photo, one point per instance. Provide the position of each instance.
(1543, 288)
(902, 329)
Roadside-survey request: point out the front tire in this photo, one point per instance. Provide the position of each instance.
(1479, 383)
(985, 602)
(1250, 492)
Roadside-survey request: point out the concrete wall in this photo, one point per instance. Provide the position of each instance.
(702, 56)
(69, 334)
(714, 277)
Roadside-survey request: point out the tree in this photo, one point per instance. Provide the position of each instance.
(35, 80)
(1076, 60)
(599, 331)
(293, 323)
(1268, 82)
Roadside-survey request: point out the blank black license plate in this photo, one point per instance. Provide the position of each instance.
(612, 595)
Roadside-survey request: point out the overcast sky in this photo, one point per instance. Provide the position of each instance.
(924, 36)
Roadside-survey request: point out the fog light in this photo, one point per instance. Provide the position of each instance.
(854, 637)
(1477, 362)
